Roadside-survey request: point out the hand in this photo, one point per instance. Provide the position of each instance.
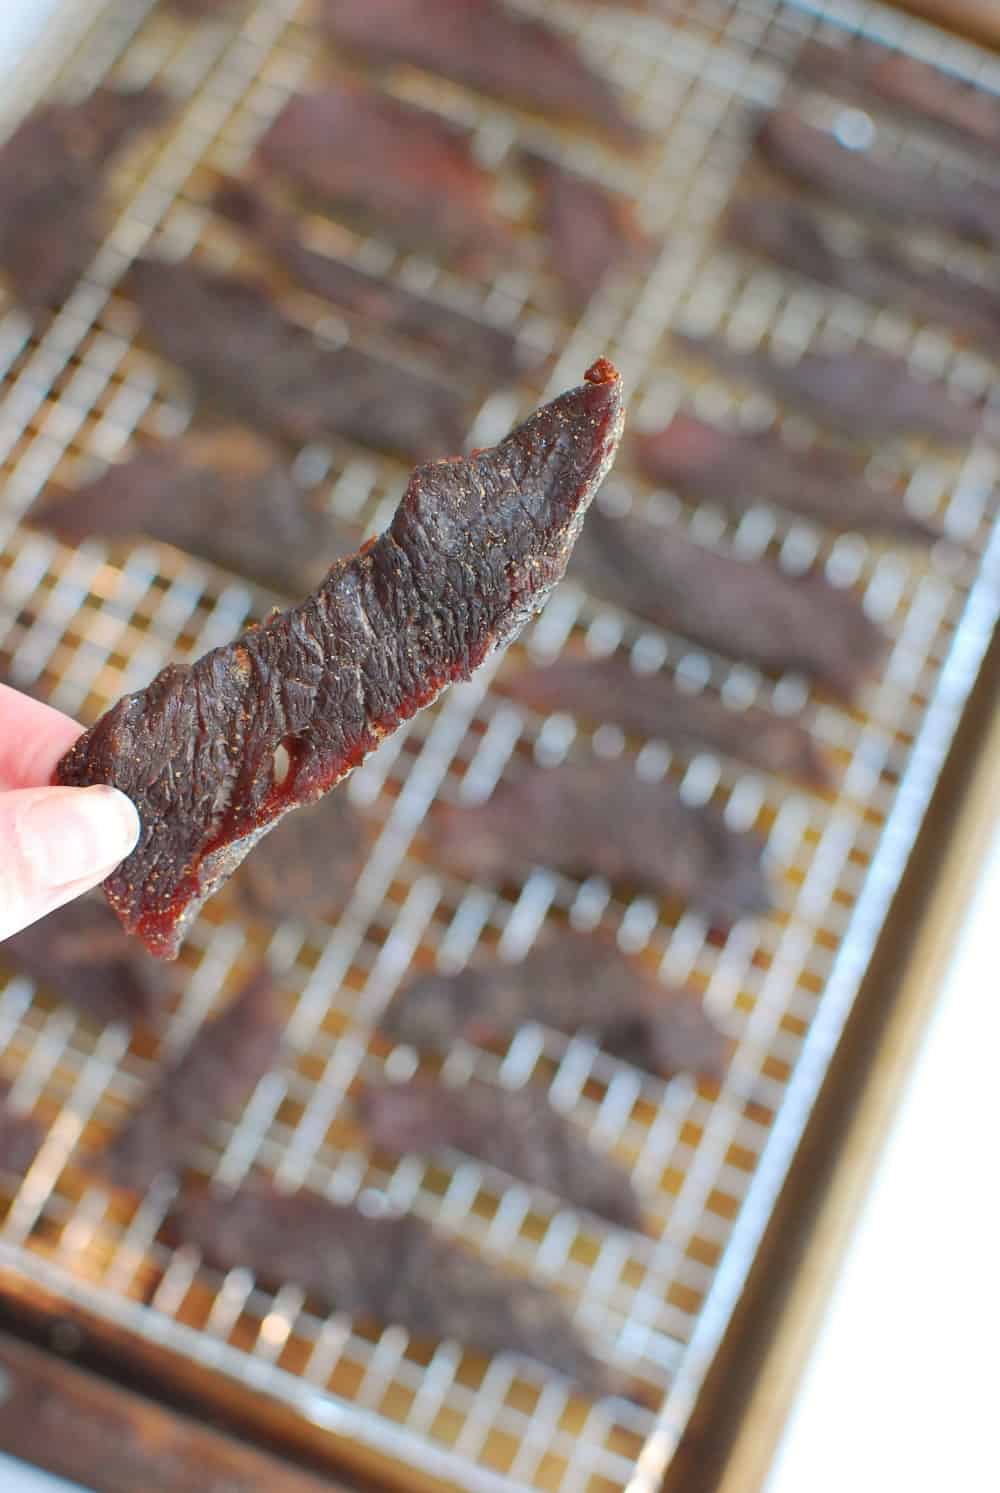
(54, 842)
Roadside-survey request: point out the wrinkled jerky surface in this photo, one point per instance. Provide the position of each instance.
(228, 498)
(308, 867)
(208, 1082)
(20, 1137)
(474, 549)
(607, 689)
(230, 338)
(487, 46)
(748, 609)
(392, 1270)
(52, 188)
(515, 1130)
(389, 165)
(571, 982)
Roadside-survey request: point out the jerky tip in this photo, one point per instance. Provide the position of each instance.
(602, 372)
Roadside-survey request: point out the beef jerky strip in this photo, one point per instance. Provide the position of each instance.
(866, 395)
(515, 1130)
(52, 188)
(906, 197)
(211, 1080)
(460, 341)
(794, 237)
(389, 165)
(81, 955)
(231, 339)
(571, 982)
(484, 45)
(309, 866)
(228, 497)
(474, 549)
(748, 609)
(388, 1269)
(591, 230)
(600, 819)
(607, 689)
(20, 1137)
(735, 469)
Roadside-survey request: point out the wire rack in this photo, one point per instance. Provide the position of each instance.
(84, 626)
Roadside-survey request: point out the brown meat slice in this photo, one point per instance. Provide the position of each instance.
(389, 165)
(229, 498)
(211, 1080)
(20, 1137)
(52, 188)
(308, 867)
(392, 1269)
(591, 230)
(905, 196)
(748, 609)
(474, 549)
(231, 339)
(515, 1130)
(571, 982)
(487, 46)
(794, 237)
(459, 341)
(607, 689)
(600, 819)
(866, 395)
(735, 469)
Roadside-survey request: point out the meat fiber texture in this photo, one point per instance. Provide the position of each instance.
(474, 549)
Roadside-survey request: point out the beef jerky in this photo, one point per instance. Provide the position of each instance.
(600, 819)
(905, 196)
(392, 1269)
(389, 165)
(211, 1080)
(736, 469)
(484, 45)
(591, 230)
(571, 982)
(80, 954)
(866, 395)
(475, 547)
(52, 188)
(231, 339)
(515, 1130)
(309, 866)
(227, 497)
(607, 689)
(20, 1138)
(452, 337)
(794, 237)
(748, 609)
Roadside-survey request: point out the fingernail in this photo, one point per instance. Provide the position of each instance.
(79, 832)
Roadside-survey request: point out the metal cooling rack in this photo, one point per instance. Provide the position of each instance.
(85, 626)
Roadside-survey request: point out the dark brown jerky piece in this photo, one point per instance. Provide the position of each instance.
(865, 394)
(81, 955)
(591, 230)
(571, 982)
(735, 469)
(389, 1269)
(20, 1137)
(461, 341)
(308, 867)
(390, 165)
(607, 689)
(228, 335)
(486, 46)
(52, 188)
(229, 498)
(210, 1080)
(474, 549)
(600, 819)
(515, 1130)
(905, 196)
(794, 237)
(749, 609)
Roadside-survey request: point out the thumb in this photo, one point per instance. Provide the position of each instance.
(56, 843)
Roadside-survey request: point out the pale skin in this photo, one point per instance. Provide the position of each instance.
(55, 843)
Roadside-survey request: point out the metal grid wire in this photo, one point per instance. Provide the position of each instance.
(83, 626)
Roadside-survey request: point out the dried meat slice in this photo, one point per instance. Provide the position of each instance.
(474, 549)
